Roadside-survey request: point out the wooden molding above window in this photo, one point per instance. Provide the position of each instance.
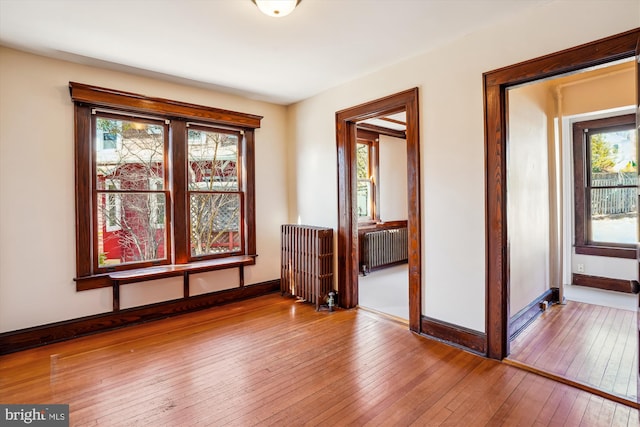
(94, 95)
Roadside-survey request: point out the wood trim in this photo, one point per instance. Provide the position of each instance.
(591, 54)
(249, 177)
(23, 339)
(495, 82)
(94, 95)
(367, 135)
(123, 277)
(145, 274)
(178, 147)
(497, 305)
(457, 336)
(382, 130)
(528, 314)
(347, 219)
(92, 282)
(382, 225)
(576, 384)
(83, 205)
(606, 283)
(608, 251)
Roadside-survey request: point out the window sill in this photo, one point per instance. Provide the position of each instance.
(607, 251)
(160, 272)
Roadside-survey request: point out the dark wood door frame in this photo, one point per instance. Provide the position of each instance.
(347, 218)
(620, 46)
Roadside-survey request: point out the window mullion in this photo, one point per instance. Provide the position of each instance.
(178, 150)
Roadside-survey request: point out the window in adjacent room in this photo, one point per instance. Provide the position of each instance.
(367, 176)
(606, 180)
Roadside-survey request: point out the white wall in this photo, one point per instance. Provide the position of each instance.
(527, 195)
(393, 179)
(37, 224)
(452, 140)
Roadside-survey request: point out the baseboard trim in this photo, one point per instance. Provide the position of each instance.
(524, 317)
(606, 283)
(457, 336)
(11, 342)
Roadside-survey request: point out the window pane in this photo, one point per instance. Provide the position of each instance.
(613, 158)
(130, 228)
(215, 223)
(213, 158)
(364, 190)
(131, 152)
(614, 215)
(362, 157)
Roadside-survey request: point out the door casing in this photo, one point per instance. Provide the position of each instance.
(617, 47)
(347, 217)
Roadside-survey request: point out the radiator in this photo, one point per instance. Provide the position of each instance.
(306, 268)
(384, 247)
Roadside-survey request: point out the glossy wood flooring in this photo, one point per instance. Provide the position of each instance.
(272, 361)
(585, 343)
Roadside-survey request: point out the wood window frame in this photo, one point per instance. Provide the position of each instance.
(582, 198)
(87, 98)
(617, 47)
(372, 139)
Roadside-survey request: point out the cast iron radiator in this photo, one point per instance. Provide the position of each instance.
(384, 247)
(306, 267)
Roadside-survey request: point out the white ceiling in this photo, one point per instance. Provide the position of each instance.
(230, 45)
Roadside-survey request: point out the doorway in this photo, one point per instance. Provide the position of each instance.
(564, 181)
(346, 135)
(497, 83)
(381, 163)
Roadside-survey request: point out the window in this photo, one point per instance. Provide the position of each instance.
(367, 176)
(215, 196)
(160, 182)
(606, 180)
(129, 186)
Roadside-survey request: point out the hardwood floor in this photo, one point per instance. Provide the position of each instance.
(585, 343)
(272, 361)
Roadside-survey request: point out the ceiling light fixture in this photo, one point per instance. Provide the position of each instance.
(276, 8)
